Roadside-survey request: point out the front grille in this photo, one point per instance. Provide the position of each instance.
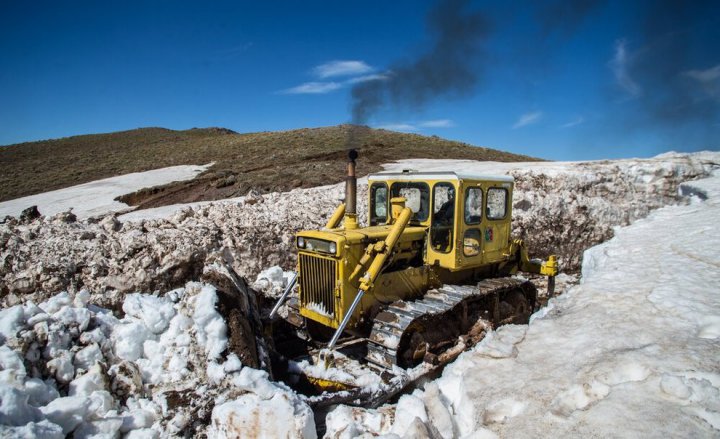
(318, 278)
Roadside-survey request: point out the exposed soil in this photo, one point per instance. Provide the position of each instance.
(265, 162)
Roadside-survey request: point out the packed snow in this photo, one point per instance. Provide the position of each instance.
(98, 197)
(631, 351)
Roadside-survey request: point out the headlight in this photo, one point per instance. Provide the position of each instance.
(333, 248)
(301, 242)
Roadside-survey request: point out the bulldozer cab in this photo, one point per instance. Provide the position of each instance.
(467, 216)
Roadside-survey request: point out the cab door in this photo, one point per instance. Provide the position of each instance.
(496, 220)
(471, 224)
(442, 235)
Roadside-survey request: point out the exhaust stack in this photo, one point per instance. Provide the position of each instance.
(351, 192)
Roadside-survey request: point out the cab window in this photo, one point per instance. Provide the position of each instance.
(417, 196)
(378, 204)
(443, 220)
(497, 199)
(473, 205)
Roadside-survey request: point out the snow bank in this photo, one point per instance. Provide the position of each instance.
(71, 368)
(560, 207)
(98, 197)
(632, 351)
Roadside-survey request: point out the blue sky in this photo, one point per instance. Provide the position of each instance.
(587, 79)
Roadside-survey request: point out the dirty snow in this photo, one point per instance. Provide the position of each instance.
(558, 207)
(98, 197)
(632, 351)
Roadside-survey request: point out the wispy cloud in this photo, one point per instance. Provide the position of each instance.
(312, 88)
(399, 127)
(417, 126)
(528, 119)
(365, 78)
(358, 71)
(619, 65)
(437, 123)
(573, 123)
(341, 68)
(708, 79)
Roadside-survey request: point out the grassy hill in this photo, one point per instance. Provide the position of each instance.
(265, 161)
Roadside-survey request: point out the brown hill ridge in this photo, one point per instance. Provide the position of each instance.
(264, 161)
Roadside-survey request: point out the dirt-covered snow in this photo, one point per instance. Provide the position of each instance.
(558, 207)
(632, 351)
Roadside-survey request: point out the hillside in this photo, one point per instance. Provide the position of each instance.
(264, 161)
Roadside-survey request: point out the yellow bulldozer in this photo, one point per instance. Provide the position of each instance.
(435, 261)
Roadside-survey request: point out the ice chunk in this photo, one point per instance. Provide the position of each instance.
(39, 392)
(409, 408)
(215, 372)
(62, 367)
(81, 299)
(14, 407)
(11, 321)
(70, 316)
(154, 312)
(67, 412)
(136, 419)
(55, 303)
(43, 429)
(437, 412)
(142, 433)
(93, 380)
(209, 325)
(88, 356)
(106, 428)
(232, 364)
(282, 415)
(128, 339)
(12, 368)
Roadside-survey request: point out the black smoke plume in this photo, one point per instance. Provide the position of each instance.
(451, 67)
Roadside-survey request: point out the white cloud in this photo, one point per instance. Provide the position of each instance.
(341, 68)
(398, 127)
(573, 123)
(417, 126)
(365, 78)
(437, 123)
(708, 79)
(619, 65)
(312, 88)
(528, 119)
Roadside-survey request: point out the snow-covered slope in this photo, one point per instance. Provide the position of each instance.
(98, 197)
(632, 351)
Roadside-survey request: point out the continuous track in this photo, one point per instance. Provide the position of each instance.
(409, 332)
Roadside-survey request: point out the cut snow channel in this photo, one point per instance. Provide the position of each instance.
(632, 351)
(98, 197)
